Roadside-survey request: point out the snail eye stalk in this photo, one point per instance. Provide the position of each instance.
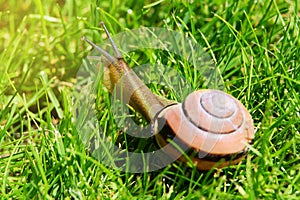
(113, 44)
(100, 50)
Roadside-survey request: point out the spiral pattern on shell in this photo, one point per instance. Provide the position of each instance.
(213, 124)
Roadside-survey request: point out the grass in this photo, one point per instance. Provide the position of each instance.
(256, 48)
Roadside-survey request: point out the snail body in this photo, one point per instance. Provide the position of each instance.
(211, 124)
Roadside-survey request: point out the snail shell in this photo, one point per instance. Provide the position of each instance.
(211, 123)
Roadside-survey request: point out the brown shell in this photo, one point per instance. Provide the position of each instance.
(211, 122)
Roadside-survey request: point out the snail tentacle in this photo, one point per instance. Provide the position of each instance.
(109, 57)
(113, 44)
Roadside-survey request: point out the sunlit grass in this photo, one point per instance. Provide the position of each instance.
(255, 46)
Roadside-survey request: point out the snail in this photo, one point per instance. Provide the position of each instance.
(214, 126)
